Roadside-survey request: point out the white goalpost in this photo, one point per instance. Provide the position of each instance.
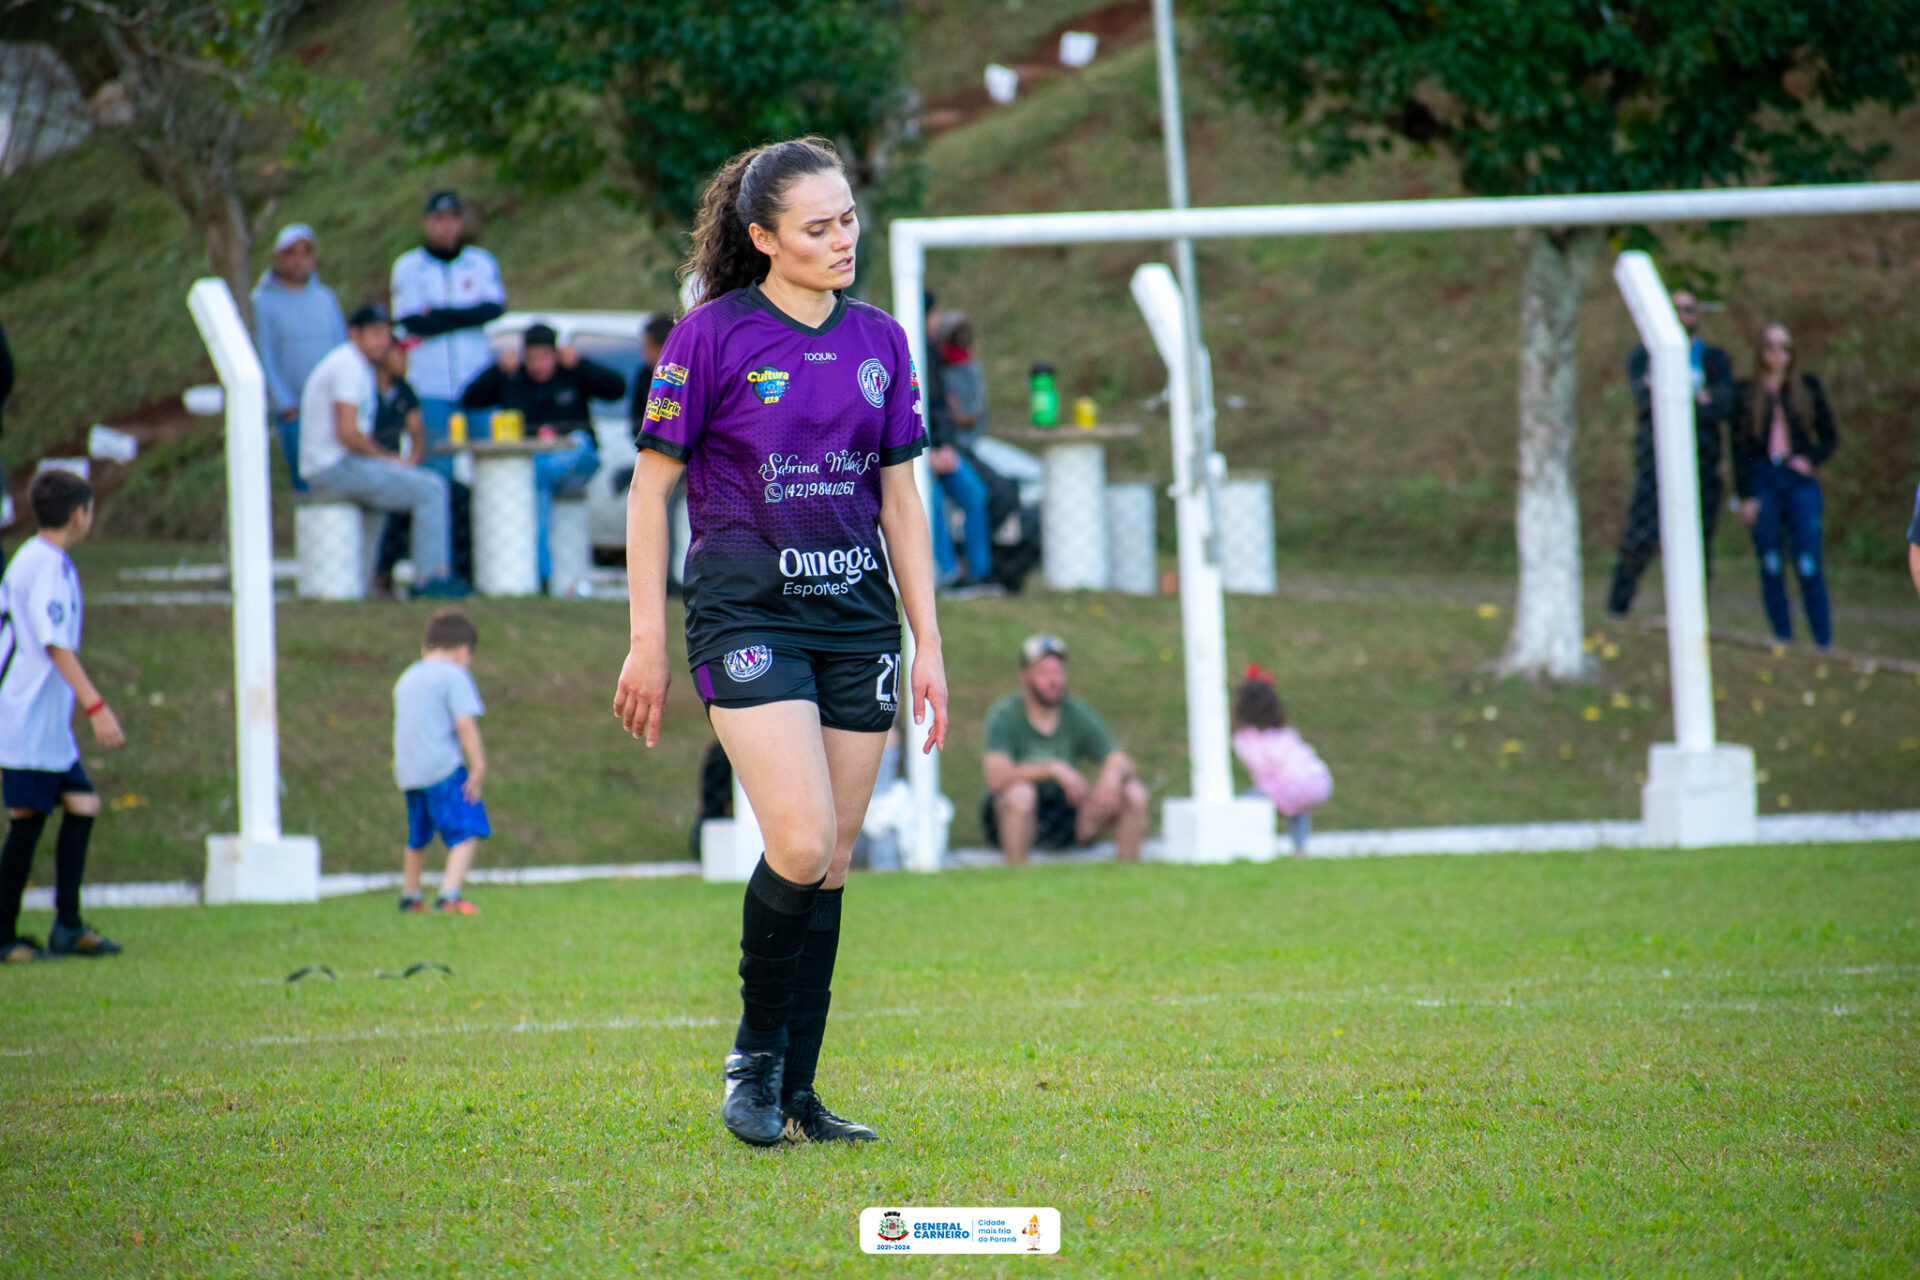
(1699, 792)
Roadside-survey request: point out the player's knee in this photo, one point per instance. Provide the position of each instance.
(83, 803)
(1135, 796)
(17, 814)
(1017, 799)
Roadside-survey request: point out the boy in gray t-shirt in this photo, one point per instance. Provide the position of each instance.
(438, 760)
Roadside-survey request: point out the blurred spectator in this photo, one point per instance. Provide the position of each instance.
(1035, 794)
(397, 426)
(6, 389)
(339, 458)
(1284, 769)
(958, 418)
(1784, 430)
(1713, 401)
(1913, 543)
(296, 321)
(551, 386)
(445, 292)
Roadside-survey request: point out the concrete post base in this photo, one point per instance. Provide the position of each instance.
(1698, 798)
(243, 870)
(1198, 832)
(729, 850)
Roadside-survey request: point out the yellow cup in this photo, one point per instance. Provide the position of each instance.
(457, 429)
(509, 424)
(1085, 412)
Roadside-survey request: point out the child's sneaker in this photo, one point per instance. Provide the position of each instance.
(22, 950)
(64, 940)
(412, 904)
(455, 906)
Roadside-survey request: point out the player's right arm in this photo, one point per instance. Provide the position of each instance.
(467, 729)
(105, 727)
(1002, 772)
(641, 695)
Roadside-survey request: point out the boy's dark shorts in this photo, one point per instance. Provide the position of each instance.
(40, 789)
(444, 807)
(857, 692)
(1057, 818)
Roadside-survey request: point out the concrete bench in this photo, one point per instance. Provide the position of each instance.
(336, 541)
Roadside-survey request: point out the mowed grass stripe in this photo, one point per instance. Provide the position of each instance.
(1588, 1064)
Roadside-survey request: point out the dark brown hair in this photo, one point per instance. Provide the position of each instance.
(1257, 706)
(451, 628)
(748, 189)
(55, 495)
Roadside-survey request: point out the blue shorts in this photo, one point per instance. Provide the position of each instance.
(40, 789)
(444, 807)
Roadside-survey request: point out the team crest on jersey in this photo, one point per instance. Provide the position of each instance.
(873, 382)
(769, 384)
(57, 612)
(669, 375)
(749, 663)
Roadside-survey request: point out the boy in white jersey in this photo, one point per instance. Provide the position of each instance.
(40, 679)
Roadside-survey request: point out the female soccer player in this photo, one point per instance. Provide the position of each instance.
(795, 415)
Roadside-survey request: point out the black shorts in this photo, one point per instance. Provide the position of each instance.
(1058, 817)
(40, 789)
(858, 692)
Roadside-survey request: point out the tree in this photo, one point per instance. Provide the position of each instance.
(670, 88)
(1536, 97)
(200, 83)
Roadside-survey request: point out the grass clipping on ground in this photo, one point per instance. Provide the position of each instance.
(1636, 1063)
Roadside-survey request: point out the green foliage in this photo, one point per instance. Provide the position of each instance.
(551, 91)
(1558, 96)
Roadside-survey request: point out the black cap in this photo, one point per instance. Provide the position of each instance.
(371, 313)
(445, 200)
(539, 335)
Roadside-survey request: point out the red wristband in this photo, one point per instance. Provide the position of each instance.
(97, 708)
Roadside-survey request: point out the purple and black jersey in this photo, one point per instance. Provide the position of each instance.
(784, 429)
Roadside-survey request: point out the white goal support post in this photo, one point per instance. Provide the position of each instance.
(1698, 792)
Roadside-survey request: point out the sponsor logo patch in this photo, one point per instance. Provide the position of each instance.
(769, 383)
(749, 663)
(662, 409)
(821, 357)
(825, 573)
(873, 382)
(669, 375)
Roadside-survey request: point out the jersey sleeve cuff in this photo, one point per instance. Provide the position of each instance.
(894, 455)
(660, 444)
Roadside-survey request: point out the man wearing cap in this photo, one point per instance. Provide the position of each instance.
(339, 458)
(550, 385)
(1034, 741)
(296, 321)
(445, 292)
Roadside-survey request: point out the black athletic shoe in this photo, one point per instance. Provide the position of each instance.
(22, 950)
(84, 941)
(808, 1120)
(750, 1108)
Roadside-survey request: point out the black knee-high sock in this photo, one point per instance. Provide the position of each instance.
(16, 861)
(773, 924)
(69, 864)
(812, 992)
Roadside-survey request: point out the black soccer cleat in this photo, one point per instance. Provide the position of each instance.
(22, 950)
(63, 940)
(750, 1108)
(808, 1120)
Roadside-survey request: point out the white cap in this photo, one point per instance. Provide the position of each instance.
(293, 233)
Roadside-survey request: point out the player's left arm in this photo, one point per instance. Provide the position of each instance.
(903, 521)
(105, 727)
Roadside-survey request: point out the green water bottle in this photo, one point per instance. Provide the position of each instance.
(1044, 397)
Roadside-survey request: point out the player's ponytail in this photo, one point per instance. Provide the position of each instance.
(750, 188)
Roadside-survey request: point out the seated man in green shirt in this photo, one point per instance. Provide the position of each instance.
(1034, 740)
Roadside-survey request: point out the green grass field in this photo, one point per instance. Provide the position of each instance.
(1598, 1065)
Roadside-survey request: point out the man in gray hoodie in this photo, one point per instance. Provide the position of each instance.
(296, 321)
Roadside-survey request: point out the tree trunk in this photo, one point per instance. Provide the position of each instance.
(1548, 625)
(229, 240)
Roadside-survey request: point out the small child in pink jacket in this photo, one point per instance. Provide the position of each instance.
(1284, 768)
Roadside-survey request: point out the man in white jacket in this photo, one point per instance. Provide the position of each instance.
(444, 293)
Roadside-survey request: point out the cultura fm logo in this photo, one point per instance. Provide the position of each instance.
(769, 383)
(893, 1226)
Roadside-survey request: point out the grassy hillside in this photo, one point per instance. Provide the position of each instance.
(1372, 377)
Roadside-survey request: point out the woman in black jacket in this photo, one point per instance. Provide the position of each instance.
(1782, 431)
